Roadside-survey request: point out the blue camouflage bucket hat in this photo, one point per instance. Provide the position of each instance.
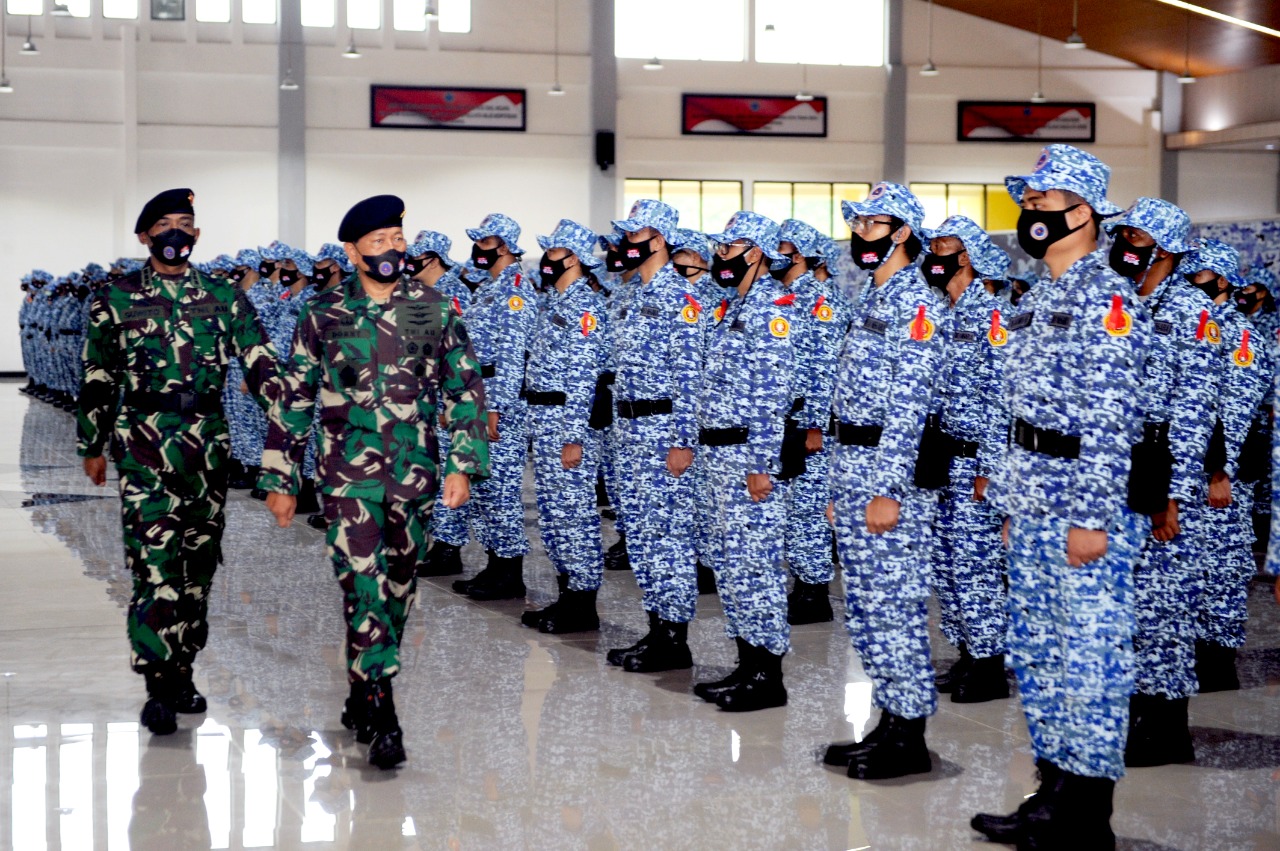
(647, 213)
(432, 242)
(760, 230)
(304, 261)
(579, 239)
(805, 237)
(1168, 224)
(1069, 168)
(887, 199)
(985, 262)
(248, 257)
(275, 252)
(1263, 276)
(692, 240)
(501, 226)
(335, 252)
(1217, 256)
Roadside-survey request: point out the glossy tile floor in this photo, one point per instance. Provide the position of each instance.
(516, 740)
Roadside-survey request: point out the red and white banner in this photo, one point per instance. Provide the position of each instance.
(435, 108)
(744, 115)
(1015, 121)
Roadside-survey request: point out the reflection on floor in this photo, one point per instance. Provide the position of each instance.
(516, 740)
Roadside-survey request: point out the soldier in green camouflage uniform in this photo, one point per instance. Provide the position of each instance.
(383, 357)
(155, 360)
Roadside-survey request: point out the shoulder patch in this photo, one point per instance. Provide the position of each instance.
(779, 327)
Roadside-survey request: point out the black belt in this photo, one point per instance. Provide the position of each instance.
(184, 402)
(848, 434)
(723, 436)
(533, 397)
(1155, 432)
(643, 408)
(963, 448)
(607, 378)
(68, 332)
(488, 370)
(1046, 441)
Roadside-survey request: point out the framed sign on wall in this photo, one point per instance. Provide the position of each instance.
(440, 108)
(1017, 121)
(753, 115)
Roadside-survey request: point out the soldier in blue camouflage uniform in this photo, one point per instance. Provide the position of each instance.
(1179, 392)
(658, 358)
(567, 354)
(26, 331)
(38, 325)
(1234, 462)
(244, 418)
(66, 340)
(620, 286)
(501, 321)
(1272, 565)
(748, 386)
(968, 563)
(822, 318)
(1073, 378)
(1258, 301)
(889, 366)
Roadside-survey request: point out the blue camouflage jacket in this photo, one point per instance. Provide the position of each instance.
(567, 355)
(502, 317)
(1246, 375)
(822, 319)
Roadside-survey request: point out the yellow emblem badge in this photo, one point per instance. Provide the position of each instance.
(515, 303)
(1212, 332)
(588, 324)
(1243, 356)
(1118, 323)
(779, 327)
(690, 314)
(997, 335)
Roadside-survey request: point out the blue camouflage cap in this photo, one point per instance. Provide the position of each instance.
(432, 242)
(805, 237)
(610, 240)
(335, 252)
(304, 261)
(1217, 256)
(648, 213)
(248, 257)
(1067, 167)
(275, 252)
(129, 265)
(760, 230)
(222, 263)
(975, 241)
(998, 260)
(579, 239)
(887, 199)
(828, 251)
(503, 227)
(41, 275)
(1168, 224)
(1263, 276)
(687, 239)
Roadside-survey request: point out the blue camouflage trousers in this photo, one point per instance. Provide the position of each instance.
(808, 535)
(659, 513)
(886, 585)
(1226, 567)
(1070, 641)
(1168, 581)
(567, 514)
(968, 566)
(498, 512)
(743, 547)
(610, 454)
(449, 524)
(246, 421)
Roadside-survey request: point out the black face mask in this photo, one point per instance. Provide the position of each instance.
(687, 270)
(730, 272)
(1129, 260)
(484, 258)
(265, 268)
(1209, 287)
(1245, 302)
(782, 271)
(613, 260)
(385, 267)
(1038, 229)
(236, 275)
(550, 270)
(82, 293)
(173, 247)
(939, 269)
(634, 253)
(320, 277)
(289, 277)
(870, 253)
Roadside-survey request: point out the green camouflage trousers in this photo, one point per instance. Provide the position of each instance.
(375, 548)
(172, 545)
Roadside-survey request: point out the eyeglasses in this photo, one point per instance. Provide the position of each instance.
(724, 248)
(862, 224)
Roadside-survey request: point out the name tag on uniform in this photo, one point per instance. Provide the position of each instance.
(738, 325)
(875, 326)
(1163, 327)
(1022, 320)
(964, 337)
(651, 312)
(1059, 320)
(559, 322)
(134, 313)
(344, 334)
(215, 309)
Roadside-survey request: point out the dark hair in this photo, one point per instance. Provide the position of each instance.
(912, 245)
(1073, 199)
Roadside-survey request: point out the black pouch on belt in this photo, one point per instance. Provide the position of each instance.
(602, 407)
(933, 460)
(1215, 457)
(1255, 454)
(1151, 470)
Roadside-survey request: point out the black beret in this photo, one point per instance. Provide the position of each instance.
(166, 203)
(380, 211)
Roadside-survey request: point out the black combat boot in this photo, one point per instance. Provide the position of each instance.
(308, 502)
(159, 714)
(843, 753)
(666, 650)
(317, 521)
(27, 390)
(355, 712)
(485, 575)
(983, 680)
(809, 602)
(442, 560)
(706, 579)
(237, 476)
(505, 583)
(386, 751)
(619, 655)
(533, 617)
(1158, 732)
(1074, 814)
(186, 699)
(575, 612)
(615, 558)
(760, 688)
(898, 752)
(947, 680)
(1004, 829)
(1216, 667)
(709, 691)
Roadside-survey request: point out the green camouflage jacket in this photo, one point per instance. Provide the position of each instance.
(141, 340)
(380, 373)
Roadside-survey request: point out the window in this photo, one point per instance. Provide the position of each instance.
(820, 32)
(704, 205)
(409, 15)
(455, 16)
(124, 9)
(258, 11)
(989, 205)
(318, 13)
(364, 14)
(76, 8)
(815, 203)
(25, 7)
(213, 11)
(714, 30)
